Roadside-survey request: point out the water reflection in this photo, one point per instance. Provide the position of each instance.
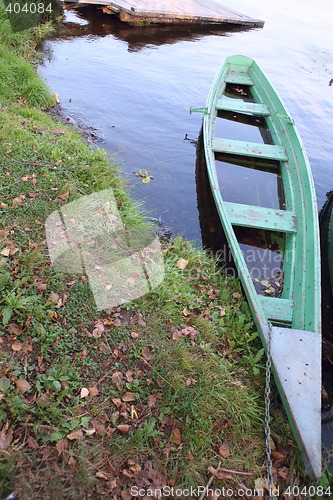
(93, 22)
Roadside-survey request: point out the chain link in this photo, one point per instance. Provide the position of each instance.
(269, 464)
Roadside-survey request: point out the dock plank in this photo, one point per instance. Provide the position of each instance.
(174, 11)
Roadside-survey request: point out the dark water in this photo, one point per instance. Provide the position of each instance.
(136, 86)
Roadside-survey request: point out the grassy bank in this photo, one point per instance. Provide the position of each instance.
(161, 391)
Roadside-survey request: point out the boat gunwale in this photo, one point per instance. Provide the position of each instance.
(307, 436)
(305, 214)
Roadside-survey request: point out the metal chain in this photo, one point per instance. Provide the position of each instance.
(269, 464)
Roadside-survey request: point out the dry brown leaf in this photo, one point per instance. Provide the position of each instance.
(112, 484)
(101, 475)
(84, 392)
(19, 200)
(146, 353)
(5, 252)
(123, 428)
(22, 385)
(176, 334)
(116, 402)
(153, 398)
(116, 375)
(32, 443)
(17, 346)
(189, 331)
(129, 396)
(134, 335)
(89, 432)
(224, 449)
(61, 197)
(93, 391)
(15, 329)
(182, 263)
(190, 381)
(54, 297)
(129, 376)
(75, 435)
(41, 287)
(137, 319)
(5, 438)
(62, 446)
(176, 437)
(104, 348)
(98, 330)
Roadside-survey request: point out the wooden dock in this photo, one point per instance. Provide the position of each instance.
(141, 12)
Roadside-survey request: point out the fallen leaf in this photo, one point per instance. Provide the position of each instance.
(5, 252)
(75, 435)
(61, 197)
(112, 484)
(41, 287)
(15, 329)
(104, 348)
(129, 376)
(17, 346)
(137, 319)
(190, 381)
(101, 475)
(22, 385)
(19, 200)
(129, 396)
(176, 334)
(32, 443)
(89, 432)
(182, 263)
(176, 437)
(116, 402)
(189, 331)
(54, 297)
(123, 428)
(84, 392)
(62, 446)
(224, 449)
(146, 353)
(98, 330)
(134, 335)
(93, 391)
(153, 398)
(5, 438)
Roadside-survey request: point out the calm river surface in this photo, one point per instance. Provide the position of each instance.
(136, 86)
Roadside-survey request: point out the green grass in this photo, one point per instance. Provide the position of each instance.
(187, 351)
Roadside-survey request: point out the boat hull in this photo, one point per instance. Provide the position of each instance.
(291, 322)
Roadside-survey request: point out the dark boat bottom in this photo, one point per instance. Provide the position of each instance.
(214, 239)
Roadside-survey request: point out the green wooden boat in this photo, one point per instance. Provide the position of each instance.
(291, 319)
